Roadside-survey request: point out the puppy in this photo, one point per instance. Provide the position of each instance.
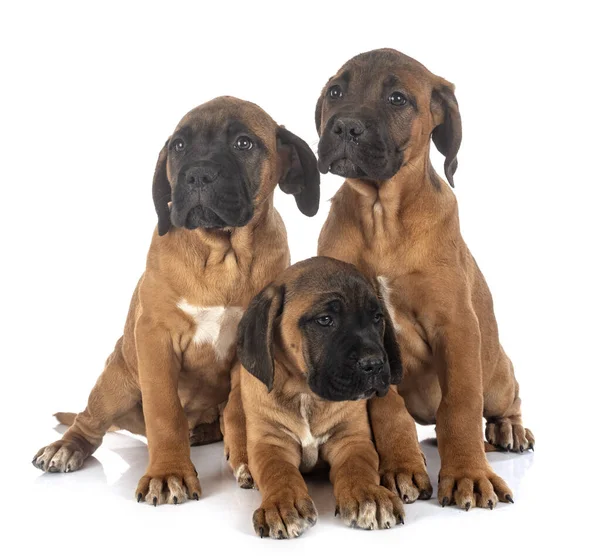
(397, 221)
(315, 339)
(219, 241)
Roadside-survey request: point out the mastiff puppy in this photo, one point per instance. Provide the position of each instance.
(219, 241)
(397, 221)
(315, 339)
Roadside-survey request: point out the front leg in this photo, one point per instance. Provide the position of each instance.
(360, 500)
(466, 478)
(401, 461)
(234, 431)
(170, 477)
(286, 510)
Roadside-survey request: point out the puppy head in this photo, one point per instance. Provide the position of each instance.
(325, 320)
(378, 112)
(223, 160)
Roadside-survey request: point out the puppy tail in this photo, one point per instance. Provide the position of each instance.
(69, 418)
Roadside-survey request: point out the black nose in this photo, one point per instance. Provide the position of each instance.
(348, 128)
(201, 175)
(371, 365)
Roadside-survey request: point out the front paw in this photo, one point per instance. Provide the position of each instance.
(409, 482)
(472, 487)
(369, 507)
(285, 516)
(169, 484)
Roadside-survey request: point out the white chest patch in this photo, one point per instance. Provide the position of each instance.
(214, 325)
(310, 444)
(385, 291)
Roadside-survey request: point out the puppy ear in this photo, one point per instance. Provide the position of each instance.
(447, 135)
(319, 111)
(390, 343)
(300, 175)
(161, 192)
(255, 334)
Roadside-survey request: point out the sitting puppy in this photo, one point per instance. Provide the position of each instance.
(316, 338)
(217, 244)
(397, 221)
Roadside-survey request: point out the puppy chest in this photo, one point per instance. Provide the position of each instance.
(213, 327)
(309, 442)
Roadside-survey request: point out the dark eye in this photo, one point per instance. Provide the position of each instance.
(243, 143)
(377, 318)
(325, 320)
(397, 99)
(179, 145)
(335, 92)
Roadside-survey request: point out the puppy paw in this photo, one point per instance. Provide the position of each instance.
(369, 507)
(469, 488)
(63, 456)
(285, 516)
(408, 482)
(169, 484)
(244, 477)
(506, 436)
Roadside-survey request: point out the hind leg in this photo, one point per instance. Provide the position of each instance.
(114, 394)
(502, 410)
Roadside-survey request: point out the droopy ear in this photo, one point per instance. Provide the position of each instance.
(447, 134)
(161, 192)
(390, 343)
(255, 334)
(300, 175)
(319, 110)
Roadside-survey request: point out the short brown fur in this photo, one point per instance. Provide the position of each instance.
(405, 232)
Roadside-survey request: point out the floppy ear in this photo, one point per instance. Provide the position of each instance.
(161, 192)
(319, 111)
(255, 334)
(300, 175)
(390, 343)
(447, 135)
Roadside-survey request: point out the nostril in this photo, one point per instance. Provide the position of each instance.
(370, 365)
(191, 180)
(356, 131)
(337, 129)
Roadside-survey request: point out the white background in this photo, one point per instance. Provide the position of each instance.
(89, 96)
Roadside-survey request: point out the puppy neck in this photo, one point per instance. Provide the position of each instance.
(413, 200)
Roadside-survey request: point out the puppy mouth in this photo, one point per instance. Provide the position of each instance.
(346, 168)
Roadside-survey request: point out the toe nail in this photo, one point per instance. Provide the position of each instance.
(401, 520)
(353, 524)
(227, 457)
(155, 500)
(405, 497)
(139, 497)
(468, 506)
(445, 501)
(175, 500)
(521, 449)
(337, 512)
(280, 534)
(510, 498)
(261, 532)
(196, 497)
(490, 504)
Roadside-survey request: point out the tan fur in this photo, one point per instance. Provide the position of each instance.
(405, 233)
(181, 383)
(291, 430)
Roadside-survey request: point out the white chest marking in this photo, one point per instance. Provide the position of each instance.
(310, 444)
(214, 325)
(385, 291)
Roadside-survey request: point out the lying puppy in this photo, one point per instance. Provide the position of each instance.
(397, 221)
(218, 242)
(315, 338)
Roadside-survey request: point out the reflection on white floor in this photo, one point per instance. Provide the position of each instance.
(96, 504)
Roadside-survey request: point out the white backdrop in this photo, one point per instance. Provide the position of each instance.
(89, 96)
